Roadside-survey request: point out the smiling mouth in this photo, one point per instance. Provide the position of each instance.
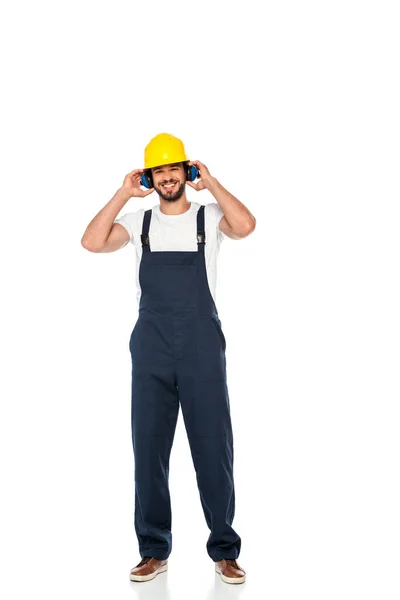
(168, 186)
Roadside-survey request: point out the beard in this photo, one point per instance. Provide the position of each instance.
(169, 196)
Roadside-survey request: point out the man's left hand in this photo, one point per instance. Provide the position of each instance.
(205, 178)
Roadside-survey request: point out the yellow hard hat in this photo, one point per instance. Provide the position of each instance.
(164, 149)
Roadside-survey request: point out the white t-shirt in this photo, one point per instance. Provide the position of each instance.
(177, 232)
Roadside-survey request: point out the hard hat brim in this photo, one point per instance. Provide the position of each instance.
(167, 162)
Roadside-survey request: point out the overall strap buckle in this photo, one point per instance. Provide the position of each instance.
(145, 239)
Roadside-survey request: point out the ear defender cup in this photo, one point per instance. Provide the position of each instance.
(192, 172)
(146, 180)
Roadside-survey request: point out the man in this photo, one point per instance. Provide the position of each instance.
(177, 345)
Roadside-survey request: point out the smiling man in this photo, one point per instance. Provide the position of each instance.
(177, 345)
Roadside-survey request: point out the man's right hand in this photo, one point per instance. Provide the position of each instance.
(132, 184)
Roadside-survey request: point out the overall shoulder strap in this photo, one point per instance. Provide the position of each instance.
(145, 231)
(201, 233)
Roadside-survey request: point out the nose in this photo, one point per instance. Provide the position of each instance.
(170, 177)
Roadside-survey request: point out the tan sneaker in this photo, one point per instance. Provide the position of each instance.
(147, 569)
(229, 571)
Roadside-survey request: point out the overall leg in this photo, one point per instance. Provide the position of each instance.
(155, 408)
(203, 394)
(205, 409)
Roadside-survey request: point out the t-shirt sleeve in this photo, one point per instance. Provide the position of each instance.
(131, 222)
(214, 213)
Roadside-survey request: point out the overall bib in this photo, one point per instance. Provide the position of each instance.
(178, 356)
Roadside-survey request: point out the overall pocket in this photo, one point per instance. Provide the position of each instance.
(134, 332)
(211, 362)
(218, 327)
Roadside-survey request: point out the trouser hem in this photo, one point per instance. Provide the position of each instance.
(224, 555)
(157, 554)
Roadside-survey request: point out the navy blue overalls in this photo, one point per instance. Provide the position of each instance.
(178, 355)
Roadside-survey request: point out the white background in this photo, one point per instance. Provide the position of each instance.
(294, 107)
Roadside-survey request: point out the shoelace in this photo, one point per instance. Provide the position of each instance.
(144, 560)
(232, 562)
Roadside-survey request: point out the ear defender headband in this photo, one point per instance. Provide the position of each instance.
(191, 173)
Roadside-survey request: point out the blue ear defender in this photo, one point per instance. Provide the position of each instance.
(191, 173)
(146, 180)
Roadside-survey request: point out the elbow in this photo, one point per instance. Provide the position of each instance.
(252, 225)
(90, 246)
(247, 228)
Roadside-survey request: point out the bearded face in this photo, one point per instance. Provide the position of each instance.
(169, 181)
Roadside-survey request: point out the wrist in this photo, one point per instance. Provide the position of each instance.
(211, 183)
(124, 194)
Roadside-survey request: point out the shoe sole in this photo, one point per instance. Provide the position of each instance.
(150, 576)
(230, 579)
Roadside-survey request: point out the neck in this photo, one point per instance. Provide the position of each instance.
(174, 208)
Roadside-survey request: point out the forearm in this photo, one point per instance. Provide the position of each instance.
(100, 226)
(237, 215)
